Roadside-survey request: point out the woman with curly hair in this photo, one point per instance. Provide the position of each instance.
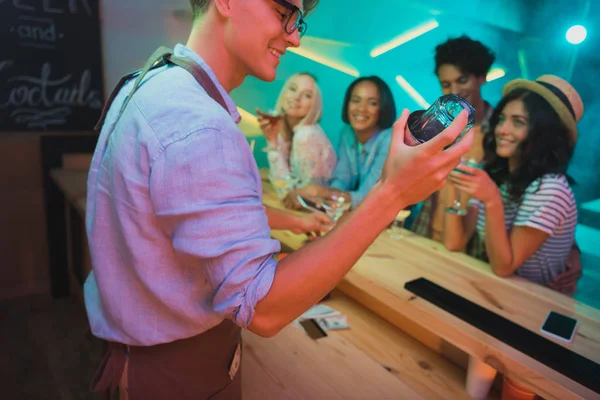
(522, 207)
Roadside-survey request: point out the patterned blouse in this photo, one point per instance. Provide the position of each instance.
(310, 156)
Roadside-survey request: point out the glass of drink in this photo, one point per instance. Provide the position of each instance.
(424, 125)
(396, 230)
(335, 206)
(459, 206)
(274, 116)
(283, 184)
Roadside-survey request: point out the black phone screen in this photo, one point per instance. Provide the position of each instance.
(560, 325)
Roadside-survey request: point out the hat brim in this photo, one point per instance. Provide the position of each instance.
(561, 109)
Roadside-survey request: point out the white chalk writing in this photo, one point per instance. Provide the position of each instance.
(52, 6)
(41, 101)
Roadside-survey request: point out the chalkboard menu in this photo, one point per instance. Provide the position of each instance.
(50, 65)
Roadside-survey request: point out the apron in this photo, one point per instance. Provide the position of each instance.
(200, 367)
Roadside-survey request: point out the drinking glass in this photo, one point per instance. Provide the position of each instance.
(274, 116)
(283, 184)
(396, 230)
(425, 125)
(335, 206)
(457, 207)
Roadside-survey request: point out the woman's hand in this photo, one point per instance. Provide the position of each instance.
(313, 224)
(475, 182)
(566, 282)
(291, 200)
(270, 126)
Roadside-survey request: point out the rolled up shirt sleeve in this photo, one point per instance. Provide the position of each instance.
(207, 198)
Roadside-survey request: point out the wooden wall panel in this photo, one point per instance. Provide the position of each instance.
(23, 252)
(24, 267)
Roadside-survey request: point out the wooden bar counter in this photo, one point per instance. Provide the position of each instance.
(371, 360)
(378, 278)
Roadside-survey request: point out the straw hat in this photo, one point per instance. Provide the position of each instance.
(559, 93)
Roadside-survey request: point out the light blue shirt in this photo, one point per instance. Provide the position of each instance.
(359, 167)
(178, 235)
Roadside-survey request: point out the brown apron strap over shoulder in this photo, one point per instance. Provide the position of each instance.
(201, 77)
(162, 56)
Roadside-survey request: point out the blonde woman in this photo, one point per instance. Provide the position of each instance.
(296, 143)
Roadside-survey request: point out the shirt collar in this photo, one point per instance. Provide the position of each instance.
(184, 51)
(366, 147)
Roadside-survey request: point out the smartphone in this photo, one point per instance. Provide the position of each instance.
(309, 204)
(313, 329)
(560, 326)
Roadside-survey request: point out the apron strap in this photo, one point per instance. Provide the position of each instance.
(152, 61)
(114, 93)
(201, 77)
(108, 375)
(162, 56)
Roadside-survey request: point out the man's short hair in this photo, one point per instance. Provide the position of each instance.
(199, 7)
(468, 55)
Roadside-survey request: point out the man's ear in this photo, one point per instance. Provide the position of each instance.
(223, 7)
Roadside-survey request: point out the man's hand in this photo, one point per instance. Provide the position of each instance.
(414, 173)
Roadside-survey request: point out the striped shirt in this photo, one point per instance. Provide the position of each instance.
(549, 206)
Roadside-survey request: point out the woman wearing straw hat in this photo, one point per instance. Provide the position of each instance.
(523, 207)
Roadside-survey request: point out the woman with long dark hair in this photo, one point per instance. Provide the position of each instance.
(368, 113)
(523, 207)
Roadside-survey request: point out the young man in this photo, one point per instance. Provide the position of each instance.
(461, 66)
(179, 240)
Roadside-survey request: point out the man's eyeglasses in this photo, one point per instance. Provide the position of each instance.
(294, 19)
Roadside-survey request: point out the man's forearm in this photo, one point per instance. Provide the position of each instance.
(305, 276)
